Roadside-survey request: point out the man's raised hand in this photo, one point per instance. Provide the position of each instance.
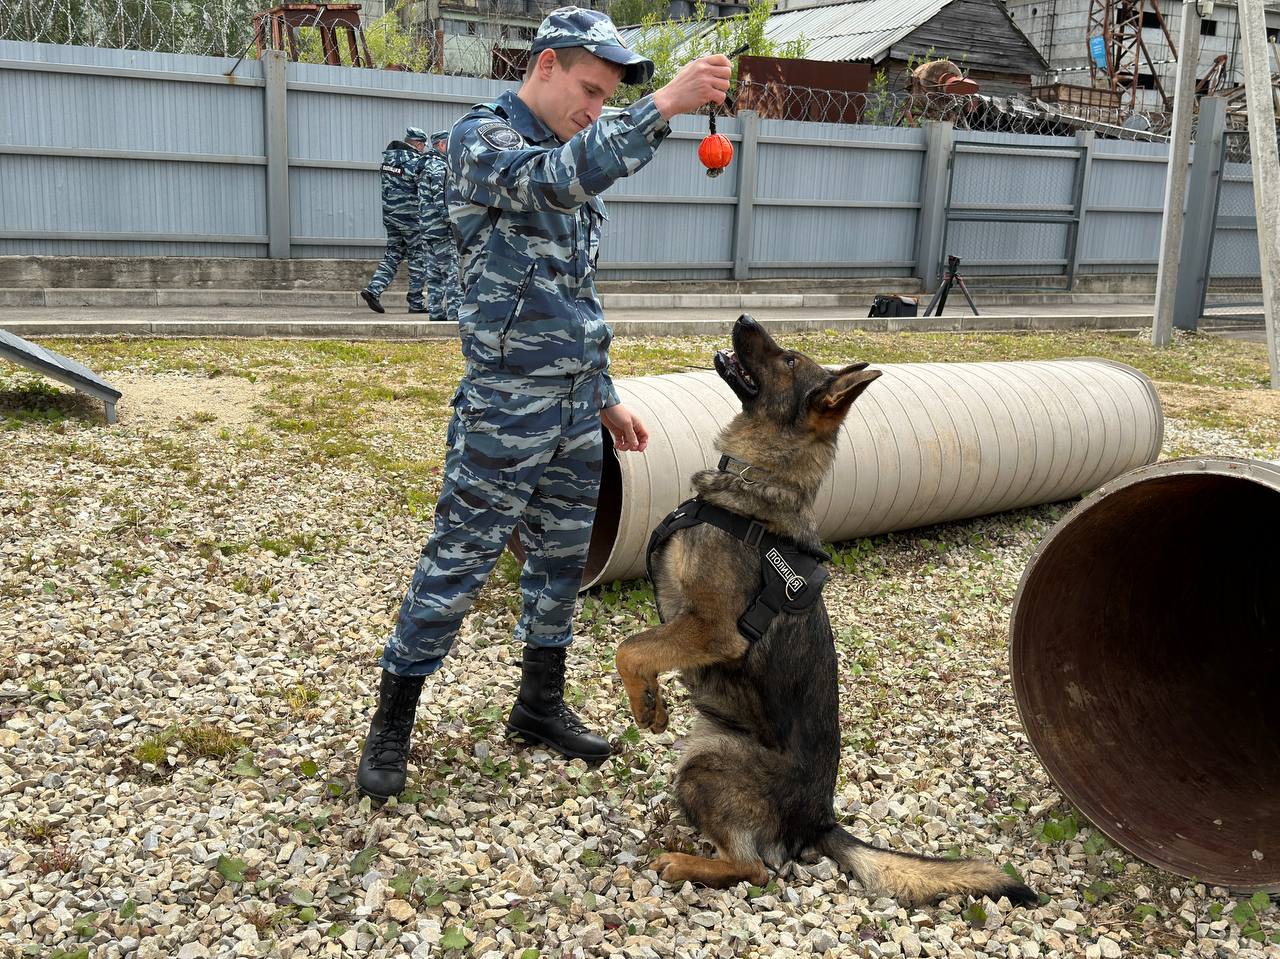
(699, 82)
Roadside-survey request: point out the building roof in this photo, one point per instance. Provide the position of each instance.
(860, 30)
(853, 30)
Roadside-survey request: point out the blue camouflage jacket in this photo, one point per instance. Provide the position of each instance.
(402, 168)
(433, 204)
(528, 218)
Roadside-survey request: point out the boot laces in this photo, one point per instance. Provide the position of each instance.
(389, 748)
(561, 710)
(570, 719)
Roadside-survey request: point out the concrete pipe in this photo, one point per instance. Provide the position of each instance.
(1145, 653)
(927, 443)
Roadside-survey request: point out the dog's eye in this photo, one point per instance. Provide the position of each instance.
(791, 362)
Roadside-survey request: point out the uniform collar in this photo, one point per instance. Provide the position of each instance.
(522, 119)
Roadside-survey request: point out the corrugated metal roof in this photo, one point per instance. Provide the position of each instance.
(857, 30)
(863, 30)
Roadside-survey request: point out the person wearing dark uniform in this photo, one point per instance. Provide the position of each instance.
(444, 295)
(403, 163)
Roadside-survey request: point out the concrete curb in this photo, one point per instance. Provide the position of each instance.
(142, 298)
(404, 329)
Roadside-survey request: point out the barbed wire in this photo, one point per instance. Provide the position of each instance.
(983, 112)
(465, 44)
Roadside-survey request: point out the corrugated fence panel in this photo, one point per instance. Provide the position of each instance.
(103, 152)
(661, 215)
(1032, 174)
(1124, 207)
(848, 208)
(340, 121)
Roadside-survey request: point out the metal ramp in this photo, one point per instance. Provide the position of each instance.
(58, 367)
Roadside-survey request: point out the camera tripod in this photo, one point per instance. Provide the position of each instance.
(950, 275)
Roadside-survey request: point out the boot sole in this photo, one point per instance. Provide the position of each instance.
(591, 759)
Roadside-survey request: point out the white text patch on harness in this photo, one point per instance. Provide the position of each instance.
(795, 583)
(500, 136)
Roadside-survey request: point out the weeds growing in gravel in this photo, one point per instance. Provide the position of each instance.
(199, 741)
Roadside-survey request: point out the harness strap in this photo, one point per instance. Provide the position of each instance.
(792, 573)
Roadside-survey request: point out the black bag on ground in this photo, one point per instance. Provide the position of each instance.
(896, 305)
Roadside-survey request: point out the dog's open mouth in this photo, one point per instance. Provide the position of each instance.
(734, 373)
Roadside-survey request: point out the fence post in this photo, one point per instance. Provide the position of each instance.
(1202, 204)
(276, 121)
(1080, 200)
(1265, 161)
(749, 125)
(933, 202)
(1173, 228)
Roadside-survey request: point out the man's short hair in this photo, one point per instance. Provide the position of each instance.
(567, 57)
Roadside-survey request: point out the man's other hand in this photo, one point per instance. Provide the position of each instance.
(629, 433)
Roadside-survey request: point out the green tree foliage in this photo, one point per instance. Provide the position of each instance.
(664, 42)
(630, 12)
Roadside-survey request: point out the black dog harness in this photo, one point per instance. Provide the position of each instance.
(792, 574)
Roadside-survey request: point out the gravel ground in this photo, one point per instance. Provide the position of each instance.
(191, 607)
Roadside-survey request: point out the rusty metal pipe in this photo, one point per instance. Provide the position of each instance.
(1145, 656)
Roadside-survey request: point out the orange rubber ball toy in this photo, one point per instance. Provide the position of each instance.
(715, 152)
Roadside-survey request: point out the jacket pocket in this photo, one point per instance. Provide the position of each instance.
(596, 217)
(516, 306)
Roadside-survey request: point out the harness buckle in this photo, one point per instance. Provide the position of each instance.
(754, 534)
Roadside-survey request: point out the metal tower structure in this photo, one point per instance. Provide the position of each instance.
(1119, 25)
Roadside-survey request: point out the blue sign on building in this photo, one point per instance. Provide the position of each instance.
(1098, 50)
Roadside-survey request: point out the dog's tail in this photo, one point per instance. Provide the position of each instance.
(913, 879)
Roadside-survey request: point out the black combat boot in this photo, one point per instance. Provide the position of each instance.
(541, 715)
(374, 302)
(384, 763)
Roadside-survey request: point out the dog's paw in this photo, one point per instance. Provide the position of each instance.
(670, 867)
(648, 708)
(656, 709)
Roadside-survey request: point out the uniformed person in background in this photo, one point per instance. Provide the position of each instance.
(444, 295)
(403, 163)
(524, 443)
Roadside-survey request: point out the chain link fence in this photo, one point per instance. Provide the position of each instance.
(1234, 264)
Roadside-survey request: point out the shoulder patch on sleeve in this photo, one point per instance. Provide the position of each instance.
(499, 136)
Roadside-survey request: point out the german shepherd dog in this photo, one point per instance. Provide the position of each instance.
(758, 771)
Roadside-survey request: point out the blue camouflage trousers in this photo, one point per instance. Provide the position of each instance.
(523, 452)
(444, 293)
(402, 240)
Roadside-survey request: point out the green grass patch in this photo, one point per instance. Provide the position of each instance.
(198, 741)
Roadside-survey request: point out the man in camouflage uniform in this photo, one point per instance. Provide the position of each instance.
(437, 235)
(525, 447)
(403, 162)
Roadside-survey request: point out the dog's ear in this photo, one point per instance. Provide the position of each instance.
(830, 402)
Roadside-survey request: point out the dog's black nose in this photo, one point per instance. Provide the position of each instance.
(746, 320)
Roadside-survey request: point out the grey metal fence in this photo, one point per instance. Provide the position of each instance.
(111, 152)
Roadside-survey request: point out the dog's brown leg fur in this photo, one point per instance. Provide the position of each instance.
(687, 642)
(676, 867)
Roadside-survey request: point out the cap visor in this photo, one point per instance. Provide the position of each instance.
(635, 68)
